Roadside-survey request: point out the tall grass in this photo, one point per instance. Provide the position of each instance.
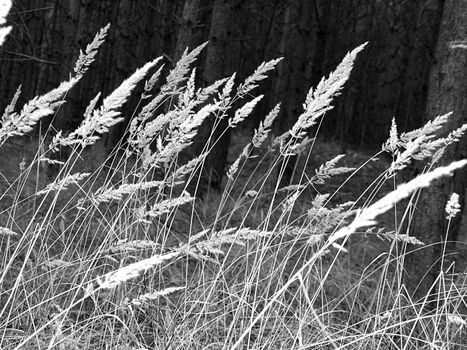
(121, 256)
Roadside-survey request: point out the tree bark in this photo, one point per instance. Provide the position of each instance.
(447, 92)
(187, 27)
(214, 134)
(302, 46)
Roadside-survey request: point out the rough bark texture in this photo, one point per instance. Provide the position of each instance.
(187, 27)
(214, 134)
(447, 92)
(303, 36)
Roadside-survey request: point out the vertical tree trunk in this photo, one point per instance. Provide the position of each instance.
(447, 92)
(302, 45)
(214, 133)
(187, 27)
(215, 68)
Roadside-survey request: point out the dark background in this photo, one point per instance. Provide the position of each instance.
(389, 80)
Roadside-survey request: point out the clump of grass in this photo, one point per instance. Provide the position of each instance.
(123, 257)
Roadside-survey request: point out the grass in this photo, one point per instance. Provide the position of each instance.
(114, 253)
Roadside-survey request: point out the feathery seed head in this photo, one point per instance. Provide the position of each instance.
(452, 206)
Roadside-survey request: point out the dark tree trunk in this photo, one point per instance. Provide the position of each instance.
(215, 68)
(214, 134)
(303, 46)
(187, 27)
(447, 92)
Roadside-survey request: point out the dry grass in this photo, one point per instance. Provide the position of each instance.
(120, 256)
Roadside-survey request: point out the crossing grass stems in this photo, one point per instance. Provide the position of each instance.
(119, 257)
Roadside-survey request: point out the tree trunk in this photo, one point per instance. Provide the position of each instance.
(214, 134)
(187, 27)
(447, 92)
(302, 46)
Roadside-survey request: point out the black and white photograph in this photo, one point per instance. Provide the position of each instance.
(233, 174)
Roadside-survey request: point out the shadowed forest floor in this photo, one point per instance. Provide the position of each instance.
(363, 248)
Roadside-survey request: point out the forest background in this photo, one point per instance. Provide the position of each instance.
(389, 80)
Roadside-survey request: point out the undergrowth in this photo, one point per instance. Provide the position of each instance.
(122, 256)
